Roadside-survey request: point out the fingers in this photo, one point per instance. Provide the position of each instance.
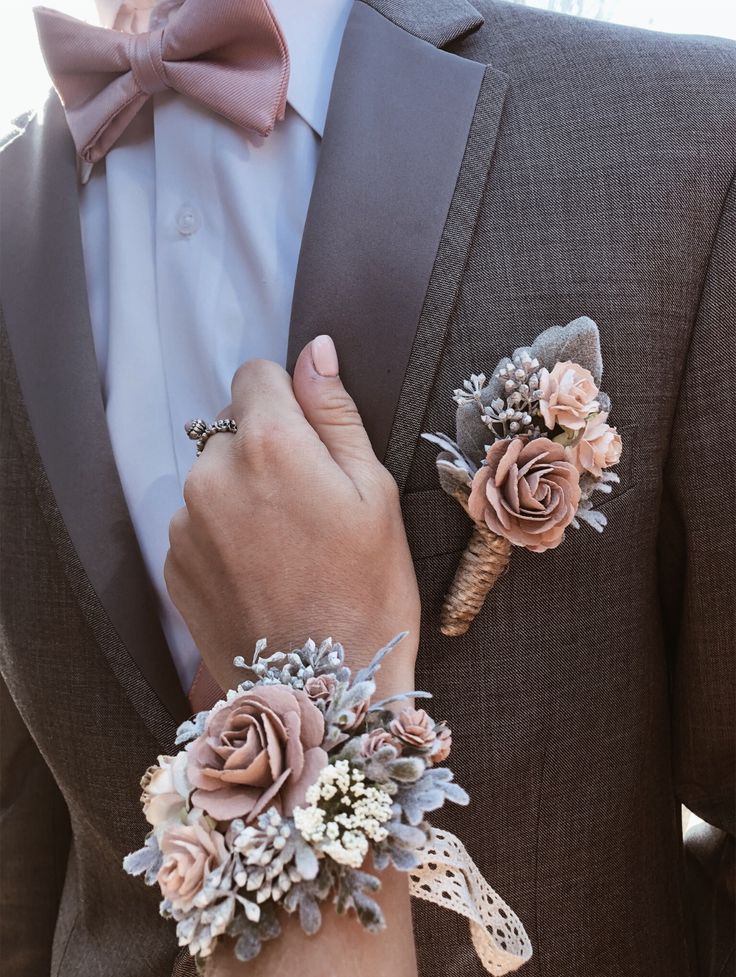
(330, 410)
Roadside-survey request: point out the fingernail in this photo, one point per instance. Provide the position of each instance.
(324, 356)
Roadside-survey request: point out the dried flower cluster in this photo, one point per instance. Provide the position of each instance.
(345, 814)
(281, 791)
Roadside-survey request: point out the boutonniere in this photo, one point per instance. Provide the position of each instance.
(533, 444)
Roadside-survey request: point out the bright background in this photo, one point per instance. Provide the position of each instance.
(23, 79)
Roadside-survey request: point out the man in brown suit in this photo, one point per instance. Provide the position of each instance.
(505, 170)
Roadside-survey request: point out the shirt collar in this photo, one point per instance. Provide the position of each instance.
(313, 30)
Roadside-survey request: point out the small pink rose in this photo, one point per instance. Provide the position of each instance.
(527, 491)
(598, 448)
(320, 687)
(263, 749)
(414, 728)
(190, 853)
(567, 395)
(371, 742)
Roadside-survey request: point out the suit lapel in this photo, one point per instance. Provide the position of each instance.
(46, 315)
(408, 141)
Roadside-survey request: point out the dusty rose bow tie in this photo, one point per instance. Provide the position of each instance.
(230, 55)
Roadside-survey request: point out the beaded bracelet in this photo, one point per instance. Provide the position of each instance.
(284, 789)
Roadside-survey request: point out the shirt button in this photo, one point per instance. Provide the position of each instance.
(187, 221)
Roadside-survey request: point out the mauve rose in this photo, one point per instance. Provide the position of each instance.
(190, 853)
(371, 742)
(567, 395)
(320, 686)
(527, 492)
(599, 447)
(263, 749)
(415, 728)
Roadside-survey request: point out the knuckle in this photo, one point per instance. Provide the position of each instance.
(171, 575)
(178, 526)
(385, 491)
(340, 406)
(390, 488)
(267, 437)
(198, 488)
(174, 580)
(258, 372)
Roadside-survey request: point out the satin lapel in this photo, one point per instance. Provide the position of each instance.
(44, 299)
(408, 141)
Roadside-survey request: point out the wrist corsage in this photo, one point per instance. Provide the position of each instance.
(284, 789)
(533, 446)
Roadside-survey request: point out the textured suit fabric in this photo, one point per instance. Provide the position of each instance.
(594, 693)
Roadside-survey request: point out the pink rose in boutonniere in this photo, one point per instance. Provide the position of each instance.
(598, 448)
(526, 491)
(533, 446)
(567, 396)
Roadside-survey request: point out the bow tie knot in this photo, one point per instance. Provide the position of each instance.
(146, 61)
(230, 56)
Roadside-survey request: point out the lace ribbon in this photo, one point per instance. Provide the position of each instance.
(449, 877)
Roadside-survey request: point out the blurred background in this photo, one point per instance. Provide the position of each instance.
(23, 79)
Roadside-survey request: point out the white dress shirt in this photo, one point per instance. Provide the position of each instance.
(191, 230)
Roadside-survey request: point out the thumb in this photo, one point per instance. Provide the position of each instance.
(330, 409)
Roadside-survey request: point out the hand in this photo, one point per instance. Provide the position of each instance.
(292, 528)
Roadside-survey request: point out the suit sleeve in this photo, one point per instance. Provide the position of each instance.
(34, 847)
(698, 578)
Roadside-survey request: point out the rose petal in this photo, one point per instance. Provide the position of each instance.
(527, 500)
(256, 774)
(228, 802)
(509, 458)
(244, 755)
(478, 500)
(312, 723)
(294, 748)
(276, 737)
(295, 793)
(510, 492)
(269, 795)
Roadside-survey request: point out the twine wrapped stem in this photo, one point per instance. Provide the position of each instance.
(485, 559)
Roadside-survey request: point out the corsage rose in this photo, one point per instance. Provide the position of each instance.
(165, 789)
(190, 853)
(263, 749)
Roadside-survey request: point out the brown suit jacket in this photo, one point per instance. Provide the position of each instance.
(486, 171)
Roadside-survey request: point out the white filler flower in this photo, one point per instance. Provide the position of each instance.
(344, 814)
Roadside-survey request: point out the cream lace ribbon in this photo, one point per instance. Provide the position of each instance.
(449, 877)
